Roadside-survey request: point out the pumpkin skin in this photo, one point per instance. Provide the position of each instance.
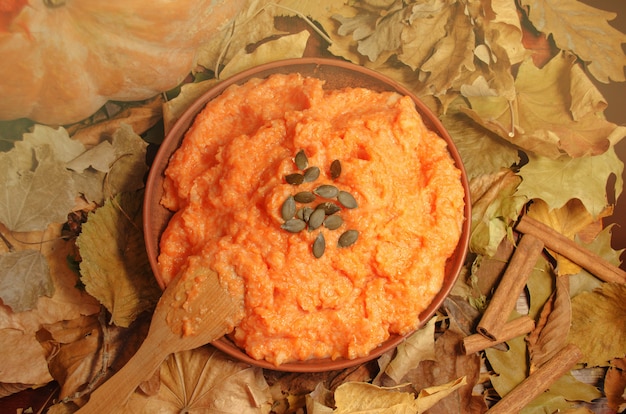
(60, 61)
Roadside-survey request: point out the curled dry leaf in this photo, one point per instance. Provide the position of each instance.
(615, 385)
(354, 397)
(550, 333)
(494, 209)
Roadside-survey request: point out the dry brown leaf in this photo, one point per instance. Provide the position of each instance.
(450, 364)
(17, 330)
(550, 333)
(85, 351)
(454, 52)
(506, 22)
(615, 385)
(585, 30)
(204, 380)
(114, 266)
(140, 118)
(72, 346)
(549, 127)
(421, 36)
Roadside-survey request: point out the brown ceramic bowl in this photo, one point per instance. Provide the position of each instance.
(336, 74)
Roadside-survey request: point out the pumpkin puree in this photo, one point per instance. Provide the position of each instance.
(226, 184)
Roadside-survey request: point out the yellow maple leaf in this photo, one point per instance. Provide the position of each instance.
(569, 220)
(599, 324)
(584, 30)
(545, 118)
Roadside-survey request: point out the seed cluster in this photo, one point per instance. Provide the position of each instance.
(298, 211)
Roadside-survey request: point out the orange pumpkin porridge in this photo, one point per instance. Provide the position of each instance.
(308, 294)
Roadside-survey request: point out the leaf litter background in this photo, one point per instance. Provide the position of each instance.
(518, 98)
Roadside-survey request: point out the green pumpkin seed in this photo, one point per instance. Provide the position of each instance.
(346, 199)
(316, 219)
(288, 209)
(319, 246)
(301, 160)
(335, 169)
(294, 179)
(333, 222)
(304, 197)
(293, 225)
(348, 238)
(326, 191)
(328, 207)
(311, 174)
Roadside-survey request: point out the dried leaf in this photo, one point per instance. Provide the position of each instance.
(482, 152)
(602, 246)
(454, 52)
(285, 47)
(254, 24)
(550, 333)
(24, 277)
(600, 316)
(99, 158)
(506, 23)
(189, 93)
(204, 380)
(427, 26)
(495, 207)
(615, 385)
(510, 367)
(569, 220)
(377, 29)
(449, 365)
(558, 181)
(32, 198)
(418, 347)
(72, 346)
(128, 171)
(584, 30)
(62, 146)
(540, 286)
(85, 351)
(353, 397)
(139, 118)
(17, 330)
(549, 127)
(114, 266)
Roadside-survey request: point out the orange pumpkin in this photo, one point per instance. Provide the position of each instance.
(61, 60)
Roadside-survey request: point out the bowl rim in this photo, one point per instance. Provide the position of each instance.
(177, 134)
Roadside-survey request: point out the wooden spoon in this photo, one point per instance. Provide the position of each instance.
(194, 310)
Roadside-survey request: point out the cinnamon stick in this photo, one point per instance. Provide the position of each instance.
(510, 287)
(586, 259)
(538, 382)
(512, 329)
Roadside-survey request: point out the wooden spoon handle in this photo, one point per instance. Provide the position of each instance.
(117, 389)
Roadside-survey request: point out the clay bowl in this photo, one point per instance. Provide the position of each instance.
(336, 74)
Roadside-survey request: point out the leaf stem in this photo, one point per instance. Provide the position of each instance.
(7, 243)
